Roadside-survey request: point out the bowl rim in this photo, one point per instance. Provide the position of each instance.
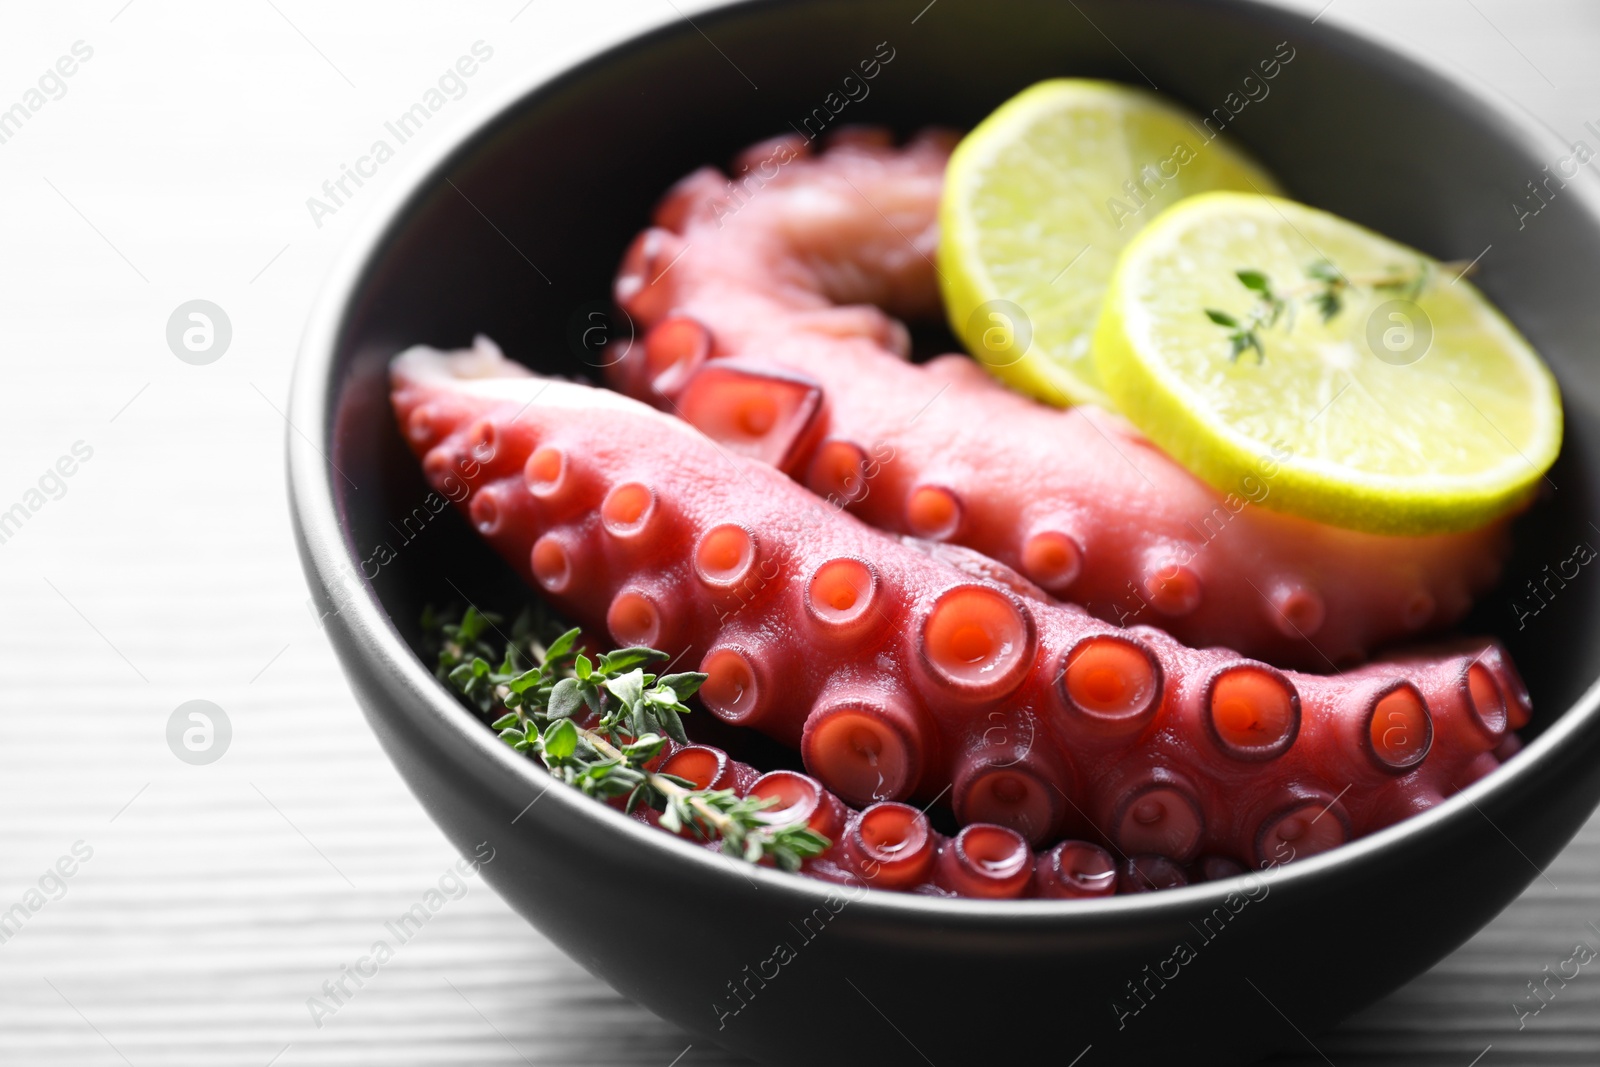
(368, 626)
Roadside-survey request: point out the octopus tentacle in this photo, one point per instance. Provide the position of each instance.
(1075, 870)
(900, 669)
(1145, 873)
(892, 845)
(795, 281)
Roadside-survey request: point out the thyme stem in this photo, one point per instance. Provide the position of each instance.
(660, 783)
(538, 691)
(1326, 289)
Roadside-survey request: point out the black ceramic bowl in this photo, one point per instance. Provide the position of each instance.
(516, 232)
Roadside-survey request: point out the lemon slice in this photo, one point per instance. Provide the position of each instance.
(1038, 201)
(1413, 407)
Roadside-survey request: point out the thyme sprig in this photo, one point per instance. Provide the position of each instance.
(1326, 290)
(536, 692)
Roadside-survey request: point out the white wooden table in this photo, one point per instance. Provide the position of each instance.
(172, 165)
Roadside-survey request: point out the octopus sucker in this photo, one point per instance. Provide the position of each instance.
(545, 474)
(804, 281)
(1148, 872)
(1300, 609)
(933, 512)
(725, 555)
(1214, 869)
(1486, 700)
(1021, 785)
(1298, 823)
(706, 767)
(772, 417)
(838, 471)
(733, 689)
(1052, 559)
(903, 670)
(866, 746)
(799, 798)
(551, 562)
(674, 349)
(1250, 711)
(976, 643)
(986, 861)
(1074, 870)
(1399, 728)
(892, 844)
(844, 598)
(1481, 699)
(422, 427)
(627, 510)
(1157, 810)
(635, 618)
(1110, 686)
(500, 508)
(1173, 589)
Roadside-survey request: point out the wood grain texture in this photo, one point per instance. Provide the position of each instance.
(219, 898)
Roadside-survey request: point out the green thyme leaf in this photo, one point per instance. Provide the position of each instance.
(1323, 271)
(635, 797)
(1254, 280)
(1325, 291)
(684, 685)
(671, 724)
(562, 645)
(565, 699)
(628, 688)
(561, 740)
(624, 658)
(644, 749)
(531, 697)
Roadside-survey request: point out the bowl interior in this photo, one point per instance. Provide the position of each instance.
(517, 233)
(522, 241)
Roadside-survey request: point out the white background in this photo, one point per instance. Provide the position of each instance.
(219, 898)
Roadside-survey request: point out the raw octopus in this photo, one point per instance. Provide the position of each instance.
(765, 310)
(904, 669)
